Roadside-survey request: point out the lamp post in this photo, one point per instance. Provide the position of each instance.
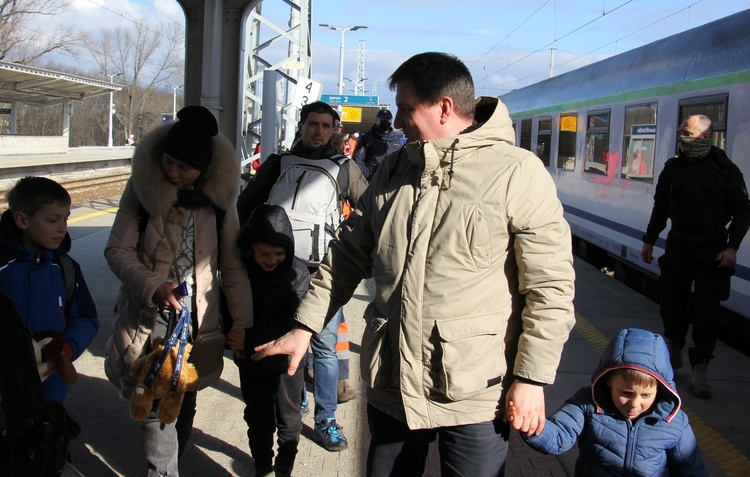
(174, 102)
(111, 108)
(341, 50)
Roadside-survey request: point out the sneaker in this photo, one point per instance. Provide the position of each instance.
(305, 408)
(346, 393)
(699, 380)
(675, 354)
(330, 433)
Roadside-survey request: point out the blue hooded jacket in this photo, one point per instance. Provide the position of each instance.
(34, 281)
(660, 442)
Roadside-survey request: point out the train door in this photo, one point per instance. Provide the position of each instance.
(715, 107)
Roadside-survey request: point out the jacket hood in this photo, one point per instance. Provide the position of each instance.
(267, 224)
(10, 241)
(220, 181)
(644, 351)
(492, 124)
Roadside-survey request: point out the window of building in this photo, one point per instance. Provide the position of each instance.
(566, 141)
(639, 139)
(715, 107)
(543, 139)
(597, 143)
(526, 134)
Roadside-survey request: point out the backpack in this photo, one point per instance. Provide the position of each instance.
(34, 432)
(310, 191)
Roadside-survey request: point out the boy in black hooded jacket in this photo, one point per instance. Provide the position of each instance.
(279, 280)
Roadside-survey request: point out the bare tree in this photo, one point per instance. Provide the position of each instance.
(22, 44)
(146, 58)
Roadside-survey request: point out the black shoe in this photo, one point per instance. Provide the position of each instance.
(330, 433)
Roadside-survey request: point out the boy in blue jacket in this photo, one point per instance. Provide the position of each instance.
(33, 237)
(278, 280)
(629, 421)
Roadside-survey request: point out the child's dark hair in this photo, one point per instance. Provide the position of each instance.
(637, 378)
(30, 193)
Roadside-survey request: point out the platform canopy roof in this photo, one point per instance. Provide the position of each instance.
(30, 85)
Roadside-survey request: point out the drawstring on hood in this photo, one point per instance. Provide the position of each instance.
(450, 169)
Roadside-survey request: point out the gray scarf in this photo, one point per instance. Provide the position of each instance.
(695, 147)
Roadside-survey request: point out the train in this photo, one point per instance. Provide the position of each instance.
(604, 131)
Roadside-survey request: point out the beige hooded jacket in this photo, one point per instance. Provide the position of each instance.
(471, 258)
(142, 261)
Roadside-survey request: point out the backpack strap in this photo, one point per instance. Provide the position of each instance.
(68, 270)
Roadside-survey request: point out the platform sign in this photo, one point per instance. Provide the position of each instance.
(351, 115)
(307, 91)
(350, 99)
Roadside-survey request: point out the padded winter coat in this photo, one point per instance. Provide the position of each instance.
(471, 259)
(142, 261)
(658, 443)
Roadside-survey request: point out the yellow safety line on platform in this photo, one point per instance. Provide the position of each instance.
(93, 214)
(712, 444)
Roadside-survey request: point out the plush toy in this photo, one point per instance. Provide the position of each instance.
(48, 349)
(142, 397)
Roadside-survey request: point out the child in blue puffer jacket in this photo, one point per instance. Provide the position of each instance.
(629, 421)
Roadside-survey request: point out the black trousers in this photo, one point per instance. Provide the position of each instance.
(272, 405)
(475, 450)
(684, 266)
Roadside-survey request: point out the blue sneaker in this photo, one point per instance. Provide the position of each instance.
(330, 433)
(305, 408)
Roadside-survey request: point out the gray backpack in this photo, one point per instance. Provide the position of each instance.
(311, 193)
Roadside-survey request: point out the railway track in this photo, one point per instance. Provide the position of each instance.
(85, 186)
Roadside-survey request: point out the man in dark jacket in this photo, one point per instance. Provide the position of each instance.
(700, 191)
(380, 141)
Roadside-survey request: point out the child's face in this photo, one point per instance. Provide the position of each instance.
(179, 174)
(46, 229)
(268, 256)
(631, 400)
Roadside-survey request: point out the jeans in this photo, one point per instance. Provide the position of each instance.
(476, 450)
(326, 369)
(163, 444)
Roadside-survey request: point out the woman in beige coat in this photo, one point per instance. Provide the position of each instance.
(177, 222)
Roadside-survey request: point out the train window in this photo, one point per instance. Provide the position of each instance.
(597, 143)
(715, 107)
(639, 138)
(543, 138)
(566, 141)
(526, 134)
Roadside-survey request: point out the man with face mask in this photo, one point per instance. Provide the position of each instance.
(700, 191)
(380, 141)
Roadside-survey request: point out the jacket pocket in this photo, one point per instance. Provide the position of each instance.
(373, 346)
(478, 235)
(472, 355)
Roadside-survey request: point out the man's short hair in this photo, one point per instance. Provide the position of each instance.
(436, 75)
(384, 113)
(30, 193)
(318, 107)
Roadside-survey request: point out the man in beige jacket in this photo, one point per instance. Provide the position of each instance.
(465, 239)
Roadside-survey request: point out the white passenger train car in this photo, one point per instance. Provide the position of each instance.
(605, 131)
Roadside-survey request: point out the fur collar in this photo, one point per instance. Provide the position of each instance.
(221, 179)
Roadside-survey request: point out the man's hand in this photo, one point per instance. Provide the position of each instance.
(727, 258)
(647, 253)
(294, 343)
(524, 408)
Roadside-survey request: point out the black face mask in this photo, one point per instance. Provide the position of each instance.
(384, 125)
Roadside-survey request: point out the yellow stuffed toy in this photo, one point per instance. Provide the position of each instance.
(142, 397)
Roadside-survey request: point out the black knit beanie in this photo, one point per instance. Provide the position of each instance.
(190, 139)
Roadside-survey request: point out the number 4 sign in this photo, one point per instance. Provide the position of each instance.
(308, 91)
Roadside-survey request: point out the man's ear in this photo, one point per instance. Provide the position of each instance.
(21, 220)
(446, 109)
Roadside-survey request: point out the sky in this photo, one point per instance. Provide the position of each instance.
(507, 44)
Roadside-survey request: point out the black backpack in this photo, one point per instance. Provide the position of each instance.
(34, 432)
